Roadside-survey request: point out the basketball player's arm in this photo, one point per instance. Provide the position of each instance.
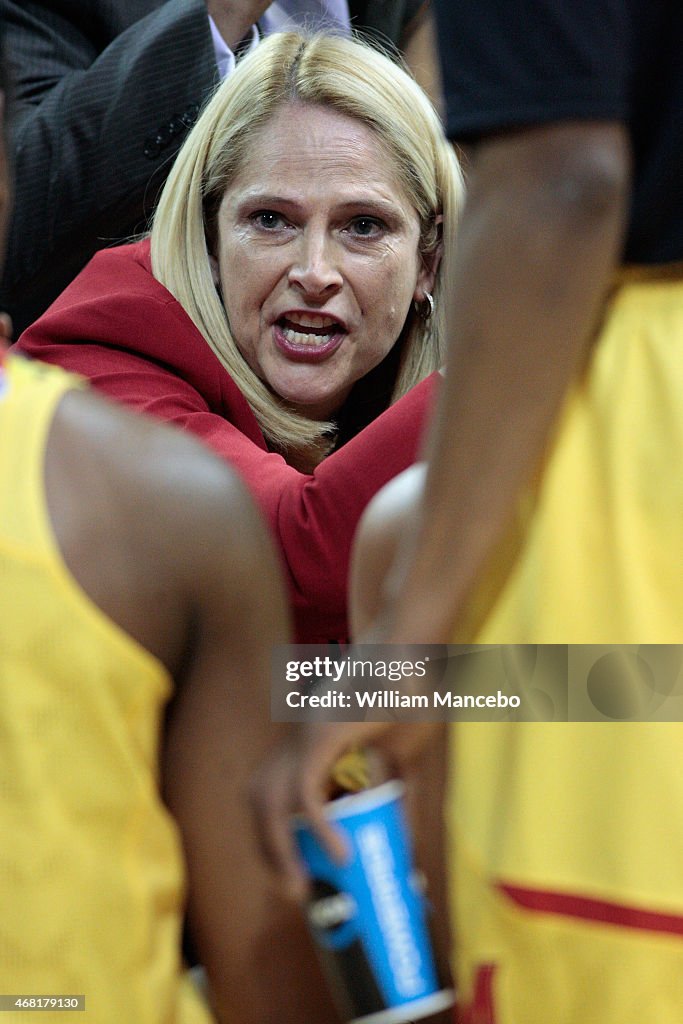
(379, 533)
(253, 944)
(539, 241)
(295, 776)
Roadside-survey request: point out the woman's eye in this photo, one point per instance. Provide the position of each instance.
(366, 227)
(267, 219)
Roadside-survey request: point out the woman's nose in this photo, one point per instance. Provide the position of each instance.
(316, 267)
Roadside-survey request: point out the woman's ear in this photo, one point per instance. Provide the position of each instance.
(426, 277)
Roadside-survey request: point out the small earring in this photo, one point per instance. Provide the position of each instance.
(425, 310)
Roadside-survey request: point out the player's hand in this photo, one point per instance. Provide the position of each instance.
(296, 779)
(234, 18)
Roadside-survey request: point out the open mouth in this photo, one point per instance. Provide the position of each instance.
(311, 330)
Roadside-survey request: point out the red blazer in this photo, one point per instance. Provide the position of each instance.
(117, 325)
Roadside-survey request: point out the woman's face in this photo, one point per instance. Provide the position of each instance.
(317, 256)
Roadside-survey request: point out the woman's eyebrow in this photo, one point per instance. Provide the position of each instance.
(372, 203)
(266, 199)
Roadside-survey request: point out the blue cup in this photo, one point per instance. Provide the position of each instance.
(368, 916)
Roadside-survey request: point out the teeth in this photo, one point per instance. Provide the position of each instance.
(297, 338)
(308, 329)
(310, 320)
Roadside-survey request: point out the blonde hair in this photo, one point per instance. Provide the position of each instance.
(351, 78)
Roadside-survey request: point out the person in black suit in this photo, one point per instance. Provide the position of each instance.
(105, 93)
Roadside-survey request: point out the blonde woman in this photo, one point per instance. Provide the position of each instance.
(286, 307)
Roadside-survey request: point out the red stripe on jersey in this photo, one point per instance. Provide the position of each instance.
(481, 1010)
(603, 911)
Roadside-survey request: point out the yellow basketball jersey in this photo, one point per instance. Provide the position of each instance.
(566, 852)
(91, 871)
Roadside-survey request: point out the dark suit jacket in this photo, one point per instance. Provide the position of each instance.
(105, 91)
